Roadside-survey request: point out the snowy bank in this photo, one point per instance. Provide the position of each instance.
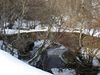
(10, 65)
(15, 31)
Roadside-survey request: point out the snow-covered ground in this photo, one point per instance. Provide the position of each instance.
(10, 65)
(15, 31)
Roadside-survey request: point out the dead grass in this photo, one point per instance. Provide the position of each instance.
(70, 40)
(91, 42)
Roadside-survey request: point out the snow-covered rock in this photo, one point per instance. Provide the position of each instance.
(99, 73)
(95, 62)
(63, 72)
